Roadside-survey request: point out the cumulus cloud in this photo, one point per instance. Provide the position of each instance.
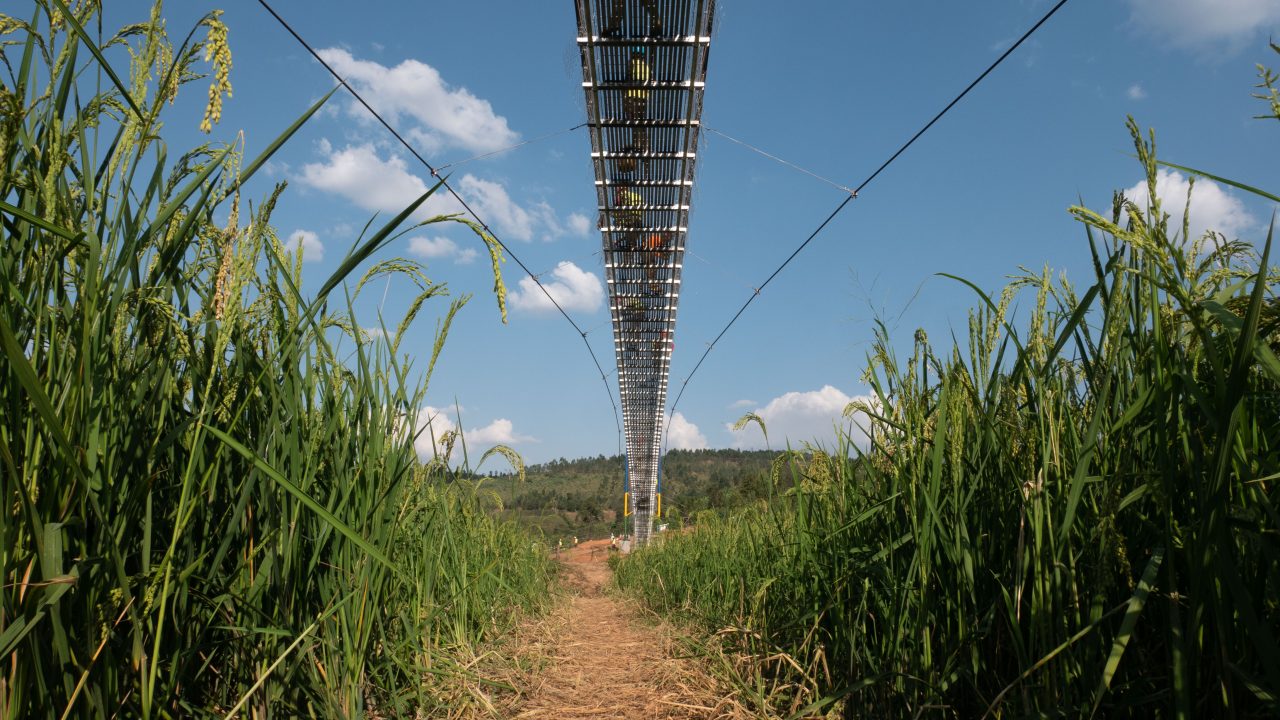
(744, 403)
(491, 201)
(579, 224)
(432, 423)
(1135, 92)
(798, 417)
(1200, 24)
(441, 248)
(415, 91)
(312, 248)
(1211, 207)
(359, 174)
(684, 435)
(500, 431)
(571, 286)
(370, 181)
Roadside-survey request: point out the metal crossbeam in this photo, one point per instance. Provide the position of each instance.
(600, 41)
(644, 70)
(627, 123)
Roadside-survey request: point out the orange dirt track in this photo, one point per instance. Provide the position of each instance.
(603, 661)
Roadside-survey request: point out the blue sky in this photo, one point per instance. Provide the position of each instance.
(832, 86)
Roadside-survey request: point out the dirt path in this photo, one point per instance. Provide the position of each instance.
(602, 661)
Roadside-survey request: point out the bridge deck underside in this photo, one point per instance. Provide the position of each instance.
(643, 66)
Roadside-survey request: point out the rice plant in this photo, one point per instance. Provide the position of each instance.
(1071, 514)
(212, 501)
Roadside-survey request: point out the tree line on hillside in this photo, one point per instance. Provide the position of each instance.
(589, 490)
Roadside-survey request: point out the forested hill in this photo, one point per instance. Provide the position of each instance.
(584, 496)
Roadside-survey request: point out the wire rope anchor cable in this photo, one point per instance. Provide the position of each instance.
(855, 191)
(499, 151)
(788, 163)
(442, 181)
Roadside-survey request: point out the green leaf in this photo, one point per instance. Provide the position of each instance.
(1127, 626)
(40, 222)
(302, 497)
(1224, 181)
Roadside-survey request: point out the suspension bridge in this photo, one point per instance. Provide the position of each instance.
(644, 66)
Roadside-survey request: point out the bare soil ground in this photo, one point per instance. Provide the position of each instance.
(595, 656)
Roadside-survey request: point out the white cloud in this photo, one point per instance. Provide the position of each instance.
(425, 141)
(1135, 92)
(684, 435)
(430, 425)
(1211, 207)
(312, 248)
(359, 174)
(435, 422)
(439, 248)
(491, 201)
(1199, 24)
(416, 91)
(799, 417)
(743, 404)
(500, 431)
(571, 286)
(579, 224)
(553, 228)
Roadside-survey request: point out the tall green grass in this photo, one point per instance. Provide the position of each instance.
(1072, 513)
(212, 504)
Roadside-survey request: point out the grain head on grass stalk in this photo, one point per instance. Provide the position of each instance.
(1066, 515)
(211, 510)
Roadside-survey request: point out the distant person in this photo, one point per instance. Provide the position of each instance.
(658, 250)
(618, 13)
(636, 100)
(634, 311)
(628, 202)
(635, 103)
(626, 162)
(627, 216)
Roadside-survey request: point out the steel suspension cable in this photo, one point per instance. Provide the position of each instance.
(445, 182)
(854, 194)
